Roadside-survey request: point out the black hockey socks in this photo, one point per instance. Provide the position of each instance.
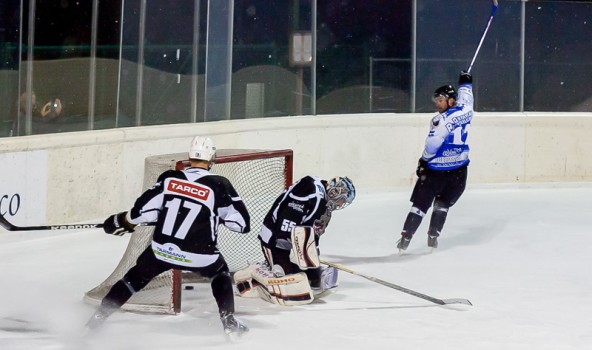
(412, 222)
(222, 291)
(118, 295)
(437, 221)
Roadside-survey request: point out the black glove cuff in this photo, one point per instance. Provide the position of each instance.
(422, 166)
(465, 78)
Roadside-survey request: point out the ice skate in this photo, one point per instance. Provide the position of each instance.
(403, 243)
(233, 327)
(97, 319)
(433, 242)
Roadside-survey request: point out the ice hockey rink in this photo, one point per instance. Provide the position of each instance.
(520, 254)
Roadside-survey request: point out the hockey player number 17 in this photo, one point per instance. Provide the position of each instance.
(171, 216)
(460, 134)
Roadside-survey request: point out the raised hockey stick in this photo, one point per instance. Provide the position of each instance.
(10, 227)
(493, 10)
(399, 288)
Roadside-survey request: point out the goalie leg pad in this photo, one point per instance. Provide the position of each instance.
(287, 290)
(256, 281)
(304, 251)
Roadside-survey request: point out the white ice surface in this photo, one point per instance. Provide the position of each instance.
(520, 255)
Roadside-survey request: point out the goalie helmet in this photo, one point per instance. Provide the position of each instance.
(340, 193)
(202, 148)
(447, 91)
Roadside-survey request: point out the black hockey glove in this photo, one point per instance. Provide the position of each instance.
(422, 166)
(465, 78)
(117, 224)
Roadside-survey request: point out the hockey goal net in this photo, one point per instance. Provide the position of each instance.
(259, 176)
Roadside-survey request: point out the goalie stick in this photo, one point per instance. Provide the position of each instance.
(10, 227)
(399, 288)
(493, 10)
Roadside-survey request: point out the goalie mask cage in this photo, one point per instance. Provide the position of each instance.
(258, 176)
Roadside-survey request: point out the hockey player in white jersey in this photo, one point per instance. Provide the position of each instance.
(442, 168)
(289, 239)
(187, 207)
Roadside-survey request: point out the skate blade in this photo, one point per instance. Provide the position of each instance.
(236, 337)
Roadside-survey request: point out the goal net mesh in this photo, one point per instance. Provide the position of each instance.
(258, 177)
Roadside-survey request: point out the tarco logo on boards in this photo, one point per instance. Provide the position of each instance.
(188, 189)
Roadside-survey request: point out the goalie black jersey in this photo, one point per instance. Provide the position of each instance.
(187, 207)
(300, 205)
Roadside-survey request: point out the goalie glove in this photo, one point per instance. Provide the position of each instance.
(304, 251)
(117, 224)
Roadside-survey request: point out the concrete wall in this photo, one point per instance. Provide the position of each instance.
(92, 174)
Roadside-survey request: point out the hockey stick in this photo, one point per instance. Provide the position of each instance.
(399, 288)
(10, 227)
(493, 10)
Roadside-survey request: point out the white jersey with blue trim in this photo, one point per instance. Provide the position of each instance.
(446, 147)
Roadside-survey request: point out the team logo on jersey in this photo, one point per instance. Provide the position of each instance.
(452, 152)
(296, 206)
(188, 189)
(436, 120)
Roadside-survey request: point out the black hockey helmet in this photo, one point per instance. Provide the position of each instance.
(447, 91)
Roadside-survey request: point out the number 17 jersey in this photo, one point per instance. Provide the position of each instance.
(187, 207)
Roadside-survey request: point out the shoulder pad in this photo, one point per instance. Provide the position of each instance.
(304, 187)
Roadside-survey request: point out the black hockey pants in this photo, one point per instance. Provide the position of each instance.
(147, 267)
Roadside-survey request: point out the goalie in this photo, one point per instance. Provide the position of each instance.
(289, 240)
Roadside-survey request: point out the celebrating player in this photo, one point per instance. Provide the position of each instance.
(187, 207)
(289, 239)
(442, 168)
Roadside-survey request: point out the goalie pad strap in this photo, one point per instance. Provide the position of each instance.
(243, 280)
(304, 248)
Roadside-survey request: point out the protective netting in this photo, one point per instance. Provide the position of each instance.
(258, 176)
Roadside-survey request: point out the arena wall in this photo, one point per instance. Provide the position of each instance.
(83, 176)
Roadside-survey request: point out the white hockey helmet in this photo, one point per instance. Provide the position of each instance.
(340, 193)
(202, 148)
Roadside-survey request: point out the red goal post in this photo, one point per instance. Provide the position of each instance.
(258, 176)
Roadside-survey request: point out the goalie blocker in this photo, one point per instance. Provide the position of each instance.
(257, 281)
